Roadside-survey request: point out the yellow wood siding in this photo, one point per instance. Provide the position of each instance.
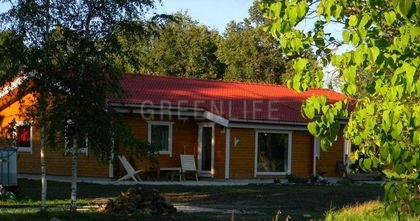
(327, 162)
(14, 110)
(242, 157)
(219, 151)
(302, 153)
(56, 162)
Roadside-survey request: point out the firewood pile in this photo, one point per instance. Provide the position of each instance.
(139, 201)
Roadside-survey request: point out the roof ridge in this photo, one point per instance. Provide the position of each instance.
(322, 88)
(208, 80)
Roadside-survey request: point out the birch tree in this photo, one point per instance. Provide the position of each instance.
(69, 43)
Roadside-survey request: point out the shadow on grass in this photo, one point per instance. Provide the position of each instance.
(88, 216)
(31, 189)
(78, 216)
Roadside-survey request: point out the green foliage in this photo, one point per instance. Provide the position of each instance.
(251, 54)
(324, 122)
(380, 73)
(11, 48)
(133, 41)
(177, 46)
(183, 48)
(7, 195)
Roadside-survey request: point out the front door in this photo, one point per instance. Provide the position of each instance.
(205, 156)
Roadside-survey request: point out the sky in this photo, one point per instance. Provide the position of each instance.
(215, 14)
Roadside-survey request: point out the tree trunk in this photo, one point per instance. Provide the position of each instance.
(43, 175)
(43, 105)
(73, 204)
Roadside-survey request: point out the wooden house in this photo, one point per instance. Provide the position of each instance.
(235, 130)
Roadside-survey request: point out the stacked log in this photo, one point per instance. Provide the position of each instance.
(139, 201)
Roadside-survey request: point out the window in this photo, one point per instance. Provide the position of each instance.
(160, 136)
(23, 137)
(273, 153)
(69, 144)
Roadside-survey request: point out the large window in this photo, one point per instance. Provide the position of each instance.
(273, 152)
(23, 137)
(160, 136)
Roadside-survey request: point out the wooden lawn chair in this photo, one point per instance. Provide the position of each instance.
(131, 173)
(188, 165)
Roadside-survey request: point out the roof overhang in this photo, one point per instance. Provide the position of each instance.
(268, 125)
(10, 86)
(216, 118)
(146, 110)
(201, 114)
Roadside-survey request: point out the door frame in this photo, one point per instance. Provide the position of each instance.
(205, 173)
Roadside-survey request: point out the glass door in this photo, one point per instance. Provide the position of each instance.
(205, 149)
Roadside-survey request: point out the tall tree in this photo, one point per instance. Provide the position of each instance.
(380, 71)
(70, 43)
(11, 47)
(133, 54)
(252, 54)
(184, 48)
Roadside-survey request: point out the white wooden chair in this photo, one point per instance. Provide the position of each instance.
(188, 165)
(131, 173)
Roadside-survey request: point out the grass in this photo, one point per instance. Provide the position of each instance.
(61, 215)
(368, 211)
(250, 202)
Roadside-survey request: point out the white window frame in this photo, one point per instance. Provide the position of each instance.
(317, 154)
(289, 153)
(346, 153)
(161, 123)
(200, 149)
(83, 150)
(24, 149)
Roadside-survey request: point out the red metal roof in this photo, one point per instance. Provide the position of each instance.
(230, 100)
